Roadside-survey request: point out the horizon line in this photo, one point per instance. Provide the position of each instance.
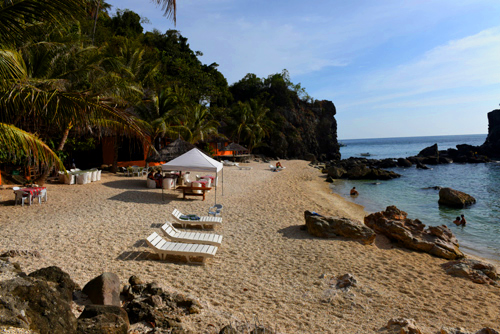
(469, 134)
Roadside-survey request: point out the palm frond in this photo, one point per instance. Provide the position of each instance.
(16, 16)
(14, 141)
(169, 7)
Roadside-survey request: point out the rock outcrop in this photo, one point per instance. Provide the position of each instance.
(477, 271)
(411, 233)
(454, 198)
(31, 302)
(361, 169)
(491, 146)
(328, 227)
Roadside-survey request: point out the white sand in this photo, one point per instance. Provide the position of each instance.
(266, 269)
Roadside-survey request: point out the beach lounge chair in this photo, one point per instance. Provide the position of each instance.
(230, 163)
(195, 220)
(192, 237)
(164, 248)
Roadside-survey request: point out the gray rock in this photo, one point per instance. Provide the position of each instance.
(454, 198)
(402, 162)
(436, 240)
(477, 271)
(29, 302)
(328, 227)
(61, 280)
(103, 319)
(431, 151)
(104, 290)
(346, 281)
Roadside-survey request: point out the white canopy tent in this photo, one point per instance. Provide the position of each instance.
(196, 161)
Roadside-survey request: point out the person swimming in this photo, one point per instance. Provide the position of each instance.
(463, 222)
(354, 192)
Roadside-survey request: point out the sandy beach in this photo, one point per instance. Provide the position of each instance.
(267, 270)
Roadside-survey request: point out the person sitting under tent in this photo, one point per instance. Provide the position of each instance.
(159, 179)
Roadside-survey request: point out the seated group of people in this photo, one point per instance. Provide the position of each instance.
(158, 178)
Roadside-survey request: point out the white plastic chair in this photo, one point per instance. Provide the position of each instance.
(135, 170)
(21, 196)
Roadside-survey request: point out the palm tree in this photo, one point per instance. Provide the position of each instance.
(198, 123)
(250, 122)
(36, 93)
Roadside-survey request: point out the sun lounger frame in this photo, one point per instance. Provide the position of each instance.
(193, 237)
(165, 248)
(204, 220)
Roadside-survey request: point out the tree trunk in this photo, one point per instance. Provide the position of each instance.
(114, 168)
(43, 178)
(95, 20)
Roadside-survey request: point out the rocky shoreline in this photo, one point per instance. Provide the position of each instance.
(374, 169)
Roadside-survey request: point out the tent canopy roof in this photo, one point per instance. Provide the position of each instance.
(193, 160)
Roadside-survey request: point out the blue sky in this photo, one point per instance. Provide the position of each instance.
(392, 68)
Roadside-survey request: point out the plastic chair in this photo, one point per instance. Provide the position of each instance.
(21, 196)
(215, 210)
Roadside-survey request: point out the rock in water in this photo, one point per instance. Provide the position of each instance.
(454, 198)
(327, 227)
(431, 151)
(411, 233)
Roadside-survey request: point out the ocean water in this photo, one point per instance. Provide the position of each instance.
(412, 193)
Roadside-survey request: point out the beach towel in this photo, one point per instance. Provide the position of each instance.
(189, 217)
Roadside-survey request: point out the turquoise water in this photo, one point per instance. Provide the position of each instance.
(480, 237)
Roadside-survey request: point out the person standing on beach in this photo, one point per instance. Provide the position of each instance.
(463, 221)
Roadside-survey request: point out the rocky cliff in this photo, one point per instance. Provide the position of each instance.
(304, 131)
(491, 146)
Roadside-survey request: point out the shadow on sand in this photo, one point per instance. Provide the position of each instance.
(296, 232)
(145, 197)
(127, 183)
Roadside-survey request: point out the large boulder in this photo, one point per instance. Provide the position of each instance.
(103, 319)
(104, 290)
(491, 146)
(477, 271)
(431, 151)
(454, 198)
(411, 233)
(336, 172)
(31, 303)
(402, 162)
(61, 281)
(328, 227)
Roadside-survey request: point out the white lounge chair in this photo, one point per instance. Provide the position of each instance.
(230, 163)
(204, 220)
(164, 248)
(193, 237)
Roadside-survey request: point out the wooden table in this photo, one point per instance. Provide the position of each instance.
(188, 191)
